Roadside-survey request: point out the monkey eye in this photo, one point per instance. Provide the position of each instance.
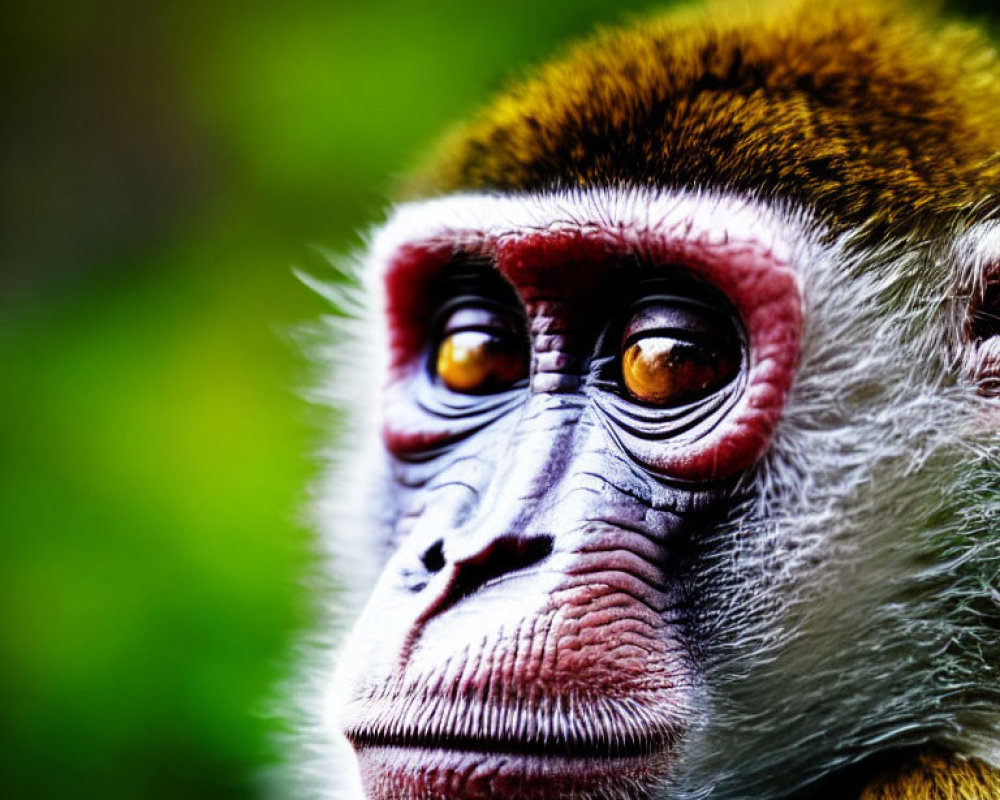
(480, 350)
(673, 354)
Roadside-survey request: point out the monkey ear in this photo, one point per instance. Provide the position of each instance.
(982, 335)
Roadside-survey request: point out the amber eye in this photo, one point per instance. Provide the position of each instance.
(677, 354)
(666, 372)
(489, 357)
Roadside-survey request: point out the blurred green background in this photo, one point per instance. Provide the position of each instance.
(164, 165)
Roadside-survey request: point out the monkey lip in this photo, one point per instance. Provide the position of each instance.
(632, 725)
(568, 748)
(488, 770)
(408, 764)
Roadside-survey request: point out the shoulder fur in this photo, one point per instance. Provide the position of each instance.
(933, 776)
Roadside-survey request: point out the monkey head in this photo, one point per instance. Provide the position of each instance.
(675, 467)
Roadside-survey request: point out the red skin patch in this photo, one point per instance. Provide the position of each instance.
(761, 287)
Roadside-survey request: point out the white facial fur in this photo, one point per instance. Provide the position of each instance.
(849, 604)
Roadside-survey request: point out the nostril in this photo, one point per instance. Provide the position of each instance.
(500, 556)
(536, 549)
(504, 555)
(433, 557)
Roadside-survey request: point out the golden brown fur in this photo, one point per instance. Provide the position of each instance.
(935, 776)
(861, 113)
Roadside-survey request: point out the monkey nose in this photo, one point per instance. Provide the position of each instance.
(499, 556)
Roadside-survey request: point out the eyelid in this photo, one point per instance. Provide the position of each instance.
(680, 321)
(481, 316)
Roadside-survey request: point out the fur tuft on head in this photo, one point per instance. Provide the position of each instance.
(864, 112)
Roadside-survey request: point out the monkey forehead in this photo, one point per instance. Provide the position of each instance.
(467, 220)
(857, 111)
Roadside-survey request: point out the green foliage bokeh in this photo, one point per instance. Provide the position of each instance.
(165, 165)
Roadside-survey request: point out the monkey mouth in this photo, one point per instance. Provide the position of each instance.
(480, 769)
(423, 774)
(636, 724)
(582, 760)
(600, 746)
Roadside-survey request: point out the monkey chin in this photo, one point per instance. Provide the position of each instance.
(426, 773)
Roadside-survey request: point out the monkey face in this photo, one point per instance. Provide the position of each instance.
(626, 484)
(678, 487)
(555, 457)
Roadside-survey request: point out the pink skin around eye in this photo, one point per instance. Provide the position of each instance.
(761, 287)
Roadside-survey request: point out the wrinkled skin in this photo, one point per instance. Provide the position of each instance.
(534, 620)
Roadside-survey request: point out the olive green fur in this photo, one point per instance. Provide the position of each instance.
(864, 113)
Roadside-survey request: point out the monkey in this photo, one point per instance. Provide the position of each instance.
(674, 462)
